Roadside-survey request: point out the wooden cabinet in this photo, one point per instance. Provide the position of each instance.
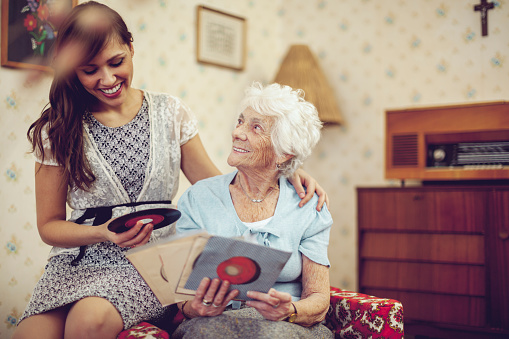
(443, 251)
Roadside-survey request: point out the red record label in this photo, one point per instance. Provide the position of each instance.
(154, 219)
(238, 270)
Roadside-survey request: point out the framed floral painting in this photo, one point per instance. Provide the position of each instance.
(29, 29)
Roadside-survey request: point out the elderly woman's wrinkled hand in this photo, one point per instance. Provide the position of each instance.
(211, 298)
(273, 305)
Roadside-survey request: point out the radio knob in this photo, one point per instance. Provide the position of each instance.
(439, 154)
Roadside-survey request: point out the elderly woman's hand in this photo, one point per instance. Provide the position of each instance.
(211, 299)
(273, 305)
(299, 178)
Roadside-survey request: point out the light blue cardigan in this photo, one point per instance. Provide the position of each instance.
(208, 205)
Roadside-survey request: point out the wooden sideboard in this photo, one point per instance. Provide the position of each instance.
(443, 251)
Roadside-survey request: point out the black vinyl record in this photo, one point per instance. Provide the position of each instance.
(159, 217)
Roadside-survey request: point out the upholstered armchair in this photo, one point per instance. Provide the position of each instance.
(356, 315)
(351, 315)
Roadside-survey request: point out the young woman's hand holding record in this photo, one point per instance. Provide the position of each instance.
(158, 217)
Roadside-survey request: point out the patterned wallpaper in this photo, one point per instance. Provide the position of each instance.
(377, 54)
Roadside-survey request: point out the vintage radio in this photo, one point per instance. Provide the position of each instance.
(460, 142)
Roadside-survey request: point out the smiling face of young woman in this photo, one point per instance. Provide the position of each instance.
(109, 74)
(252, 145)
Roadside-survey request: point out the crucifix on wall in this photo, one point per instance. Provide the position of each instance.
(484, 7)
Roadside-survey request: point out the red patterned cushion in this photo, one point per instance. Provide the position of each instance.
(356, 315)
(144, 330)
(351, 315)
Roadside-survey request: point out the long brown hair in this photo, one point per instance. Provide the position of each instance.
(68, 100)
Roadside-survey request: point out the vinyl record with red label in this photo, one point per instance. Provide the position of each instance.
(159, 217)
(238, 270)
(247, 266)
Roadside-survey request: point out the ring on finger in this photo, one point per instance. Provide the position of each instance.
(206, 303)
(216, 305)
(277, 305)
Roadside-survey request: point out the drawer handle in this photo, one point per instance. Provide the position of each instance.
(503, 234)
(418, 197)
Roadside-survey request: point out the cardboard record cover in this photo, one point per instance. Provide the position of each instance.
(173, 267)
(161, 264)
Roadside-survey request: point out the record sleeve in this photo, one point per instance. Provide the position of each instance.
(161, 264)
(247, 266)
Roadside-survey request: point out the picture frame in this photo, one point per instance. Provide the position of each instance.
(29, 29)
(220, 38)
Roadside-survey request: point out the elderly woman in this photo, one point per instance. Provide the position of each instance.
(275, 132)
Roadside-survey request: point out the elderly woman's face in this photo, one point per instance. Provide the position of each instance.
(252, 145)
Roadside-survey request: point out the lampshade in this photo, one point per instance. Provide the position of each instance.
(300, 69)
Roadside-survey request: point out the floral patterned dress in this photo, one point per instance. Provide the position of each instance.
(138, 162)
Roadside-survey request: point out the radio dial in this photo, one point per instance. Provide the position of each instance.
(439, 154)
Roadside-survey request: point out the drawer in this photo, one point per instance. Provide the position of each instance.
(442, 248)
(457, 211)
(424, 277)
(395, 210)
(440, 308)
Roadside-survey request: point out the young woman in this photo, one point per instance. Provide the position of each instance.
(105, 149)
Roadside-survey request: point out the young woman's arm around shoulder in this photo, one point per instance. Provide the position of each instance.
(196, 165)
(195, 162)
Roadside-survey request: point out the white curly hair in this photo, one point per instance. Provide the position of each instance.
(296, 128)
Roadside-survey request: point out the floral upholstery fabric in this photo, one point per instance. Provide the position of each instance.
(355, 315)
(351, 315)
(144, 330)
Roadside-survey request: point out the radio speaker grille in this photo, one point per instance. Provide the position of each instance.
(404, 150)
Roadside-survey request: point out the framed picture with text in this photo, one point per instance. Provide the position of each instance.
(220, 39)
(29, 29)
